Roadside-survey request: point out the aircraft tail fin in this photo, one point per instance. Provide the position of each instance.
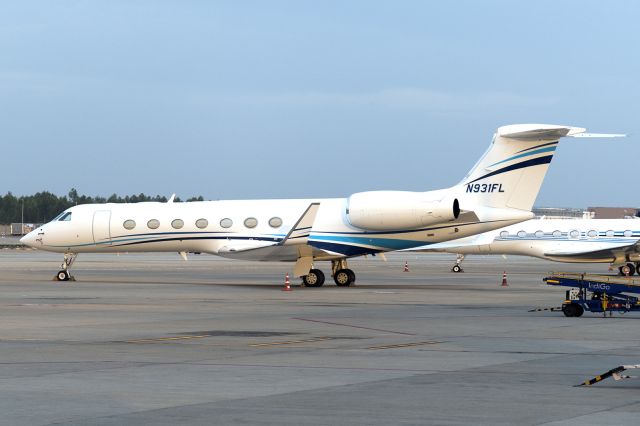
(511, 171)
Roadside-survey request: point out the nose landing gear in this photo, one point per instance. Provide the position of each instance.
(64, 274)
(458, 267)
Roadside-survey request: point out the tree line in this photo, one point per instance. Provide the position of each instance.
(44, 206)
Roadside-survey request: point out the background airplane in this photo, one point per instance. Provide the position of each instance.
(615, 241)
(498, 191)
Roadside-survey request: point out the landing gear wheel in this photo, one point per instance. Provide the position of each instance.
(572, 310)
(627, 270)
(344, 277)
(352, 275)
(456, 268)
(315, 278)
(63, 276)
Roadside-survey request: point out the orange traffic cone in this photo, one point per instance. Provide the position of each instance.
(406, 266)
(287, 284)
(504, 279)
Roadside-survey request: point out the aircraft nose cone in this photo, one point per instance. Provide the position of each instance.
(29, 239)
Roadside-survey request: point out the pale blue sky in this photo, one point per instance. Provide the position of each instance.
(270, 99)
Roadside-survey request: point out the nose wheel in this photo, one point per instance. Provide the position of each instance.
(458, 267)
(64, 274)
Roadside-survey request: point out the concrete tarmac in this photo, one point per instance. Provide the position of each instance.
(150, 339)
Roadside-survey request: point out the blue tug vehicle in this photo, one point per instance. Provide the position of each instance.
(596, 293)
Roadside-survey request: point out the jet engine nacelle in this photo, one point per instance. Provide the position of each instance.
(399, 210)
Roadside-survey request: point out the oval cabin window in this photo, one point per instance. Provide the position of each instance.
(202, 223)
(557, 234)
(628, 233)
(177, 223)
(275, 222)
(251, 222)
(153, 224)
(522, 234)
(504, 234)
(226, 223)
(592, 233)
(129, 224)
(574, 234)
(539, 234)
(610, 233)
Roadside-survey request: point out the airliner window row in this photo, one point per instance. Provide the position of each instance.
(574, 234)
(250, 222)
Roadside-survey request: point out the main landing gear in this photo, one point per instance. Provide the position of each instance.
(458, 267)
(342, 275)
(629, 269)
(315, 278)
(63, 274)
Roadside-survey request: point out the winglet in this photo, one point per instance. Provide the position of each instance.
(173, 197)
(301, 230)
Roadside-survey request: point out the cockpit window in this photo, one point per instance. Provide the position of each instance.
(65, 217)
(57, 217)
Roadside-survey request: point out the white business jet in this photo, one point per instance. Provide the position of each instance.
(498, 191)
(615, 241)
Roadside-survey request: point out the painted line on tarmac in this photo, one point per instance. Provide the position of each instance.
(404, 345)
(166, 339)
(289, 342)
(354, 326)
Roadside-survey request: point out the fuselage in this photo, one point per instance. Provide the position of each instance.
(498, 191)
(214, 226)
(562, 240)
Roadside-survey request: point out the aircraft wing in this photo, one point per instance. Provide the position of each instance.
(593, 250)
(299, 232)
(243, 246)
(286, 249)
(275, 253)
(475, 240)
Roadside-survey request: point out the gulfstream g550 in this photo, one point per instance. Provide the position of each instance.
(498, 191)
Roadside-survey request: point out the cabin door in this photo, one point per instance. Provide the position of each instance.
(102, 228)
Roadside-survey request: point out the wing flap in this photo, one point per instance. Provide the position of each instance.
(242, 246)
(450, 246)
